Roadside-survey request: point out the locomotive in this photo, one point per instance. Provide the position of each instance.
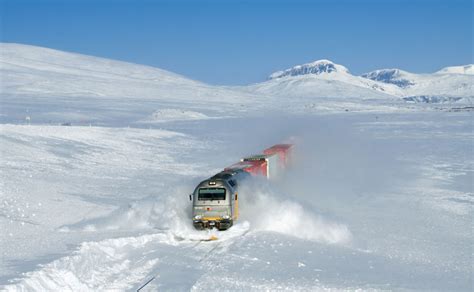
(215, 200)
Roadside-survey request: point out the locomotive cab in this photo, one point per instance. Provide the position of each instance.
(215, 201)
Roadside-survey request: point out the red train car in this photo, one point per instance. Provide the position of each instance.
(269, 162)
(283, 151)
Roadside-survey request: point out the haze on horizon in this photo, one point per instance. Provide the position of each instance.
(242, 42)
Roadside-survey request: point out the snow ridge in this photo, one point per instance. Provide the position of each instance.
(466, 69)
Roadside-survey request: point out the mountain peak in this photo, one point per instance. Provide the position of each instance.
(317, 67)
(393, 76)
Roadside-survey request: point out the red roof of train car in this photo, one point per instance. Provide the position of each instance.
(257, 167)
(277, 148)
(282, 150)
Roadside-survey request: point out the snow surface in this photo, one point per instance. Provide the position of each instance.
(166, 115)
(380, 195)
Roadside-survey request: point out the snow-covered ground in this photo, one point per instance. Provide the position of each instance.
(375, 202)
(380, 196)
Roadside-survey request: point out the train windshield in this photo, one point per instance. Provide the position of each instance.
(211, 194)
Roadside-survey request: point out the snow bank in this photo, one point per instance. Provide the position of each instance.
(113, 264)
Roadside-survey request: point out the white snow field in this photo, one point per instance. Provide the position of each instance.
(97, 158)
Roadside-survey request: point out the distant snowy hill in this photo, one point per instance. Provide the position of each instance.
(30, 70)
(41, 85)
(448, 84)
(45, 85)
(35, 70)
(398, 77)
(323, 78)
(467, 69)
(317, 68)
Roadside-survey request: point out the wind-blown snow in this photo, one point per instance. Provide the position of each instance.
(268, 210)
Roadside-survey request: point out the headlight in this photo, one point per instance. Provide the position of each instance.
(226, 217)
(197, 217)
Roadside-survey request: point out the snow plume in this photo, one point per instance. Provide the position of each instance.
(168, 213)
(268, 210)
(170, 210)
(262, 209)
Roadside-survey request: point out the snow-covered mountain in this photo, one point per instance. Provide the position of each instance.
(398, 77)
(323, 78)
(450, 83)
(317, 67)
(46, 85)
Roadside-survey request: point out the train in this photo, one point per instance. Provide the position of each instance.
(215, 200)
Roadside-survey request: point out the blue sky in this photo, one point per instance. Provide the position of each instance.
(242, 42)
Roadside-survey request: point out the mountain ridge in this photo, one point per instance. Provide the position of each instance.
(37, 71)
(452, 83)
